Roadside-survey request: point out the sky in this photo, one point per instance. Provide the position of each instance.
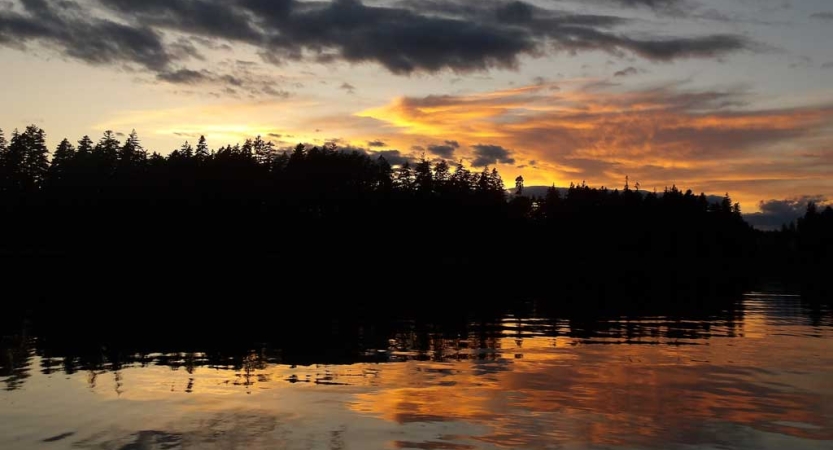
(715, 96)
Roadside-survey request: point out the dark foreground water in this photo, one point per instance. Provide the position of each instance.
(757, 375)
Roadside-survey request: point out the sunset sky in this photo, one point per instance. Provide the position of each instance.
(713, 95)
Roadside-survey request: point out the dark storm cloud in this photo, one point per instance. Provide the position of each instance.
(487, 155)
(183, 76)
(674, 48)
(445, 150)
(649, 3)
(653, 4)
(64, 26)
(626, 72)
(824, 15)
(775, 213)
(213, 18)
(411, 36)
(393, 157)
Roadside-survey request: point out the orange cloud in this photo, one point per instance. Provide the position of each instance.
(659, 136)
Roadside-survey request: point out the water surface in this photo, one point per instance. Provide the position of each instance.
(755, 375)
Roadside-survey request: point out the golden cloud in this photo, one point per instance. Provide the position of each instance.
(659, 136)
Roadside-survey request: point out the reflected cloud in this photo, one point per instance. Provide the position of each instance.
(754, 374)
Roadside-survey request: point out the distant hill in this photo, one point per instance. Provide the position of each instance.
(540, 191)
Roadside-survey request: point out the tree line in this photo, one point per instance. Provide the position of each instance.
(321, 205)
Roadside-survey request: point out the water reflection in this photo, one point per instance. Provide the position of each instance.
(754, 374)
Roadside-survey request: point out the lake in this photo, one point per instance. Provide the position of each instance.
(756, 373)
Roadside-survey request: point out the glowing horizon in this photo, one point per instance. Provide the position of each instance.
(708, 95)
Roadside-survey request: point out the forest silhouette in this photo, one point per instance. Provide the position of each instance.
(108, 213)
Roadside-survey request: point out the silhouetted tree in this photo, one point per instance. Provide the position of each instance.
(186, 151)
(85, 147)
(202, 152)
(25, 161)
(423, 176)
(385, 180)
(324, 205)
(265, 153)
(405, 177)
(461, 180)
(62, 162)
(105, 155)
(132, 154)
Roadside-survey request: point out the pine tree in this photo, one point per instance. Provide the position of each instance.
(246, 149)
(726, 204)
(423, 177)
(552, 203)
(461, 179)
(441, 172)
(385, 174)
(62, 159)
(496, 183)
(37, 155)
(132, 153)
(298, 154)
(519, 186)
(264, 151)
(202, 149)
(186, 151)
(106, 151)
(26, 161)
(405, 177)
(10, 162)
(85, 147)
(483, 180)
(3, 150)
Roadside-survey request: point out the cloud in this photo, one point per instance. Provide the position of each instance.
(184, 76)
(626, 72)
(668, 8)
(348, 87)
(271, 91)
(407, 37)
(66, 27)
(393, 157)
(376, 143)
(827, 65)
(445, 150)
(775, 213)
(706, 140)
(824, 15)
(489, 155)
(653, 4)
(253, 84)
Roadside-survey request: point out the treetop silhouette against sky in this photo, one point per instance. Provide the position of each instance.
(710, 94)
